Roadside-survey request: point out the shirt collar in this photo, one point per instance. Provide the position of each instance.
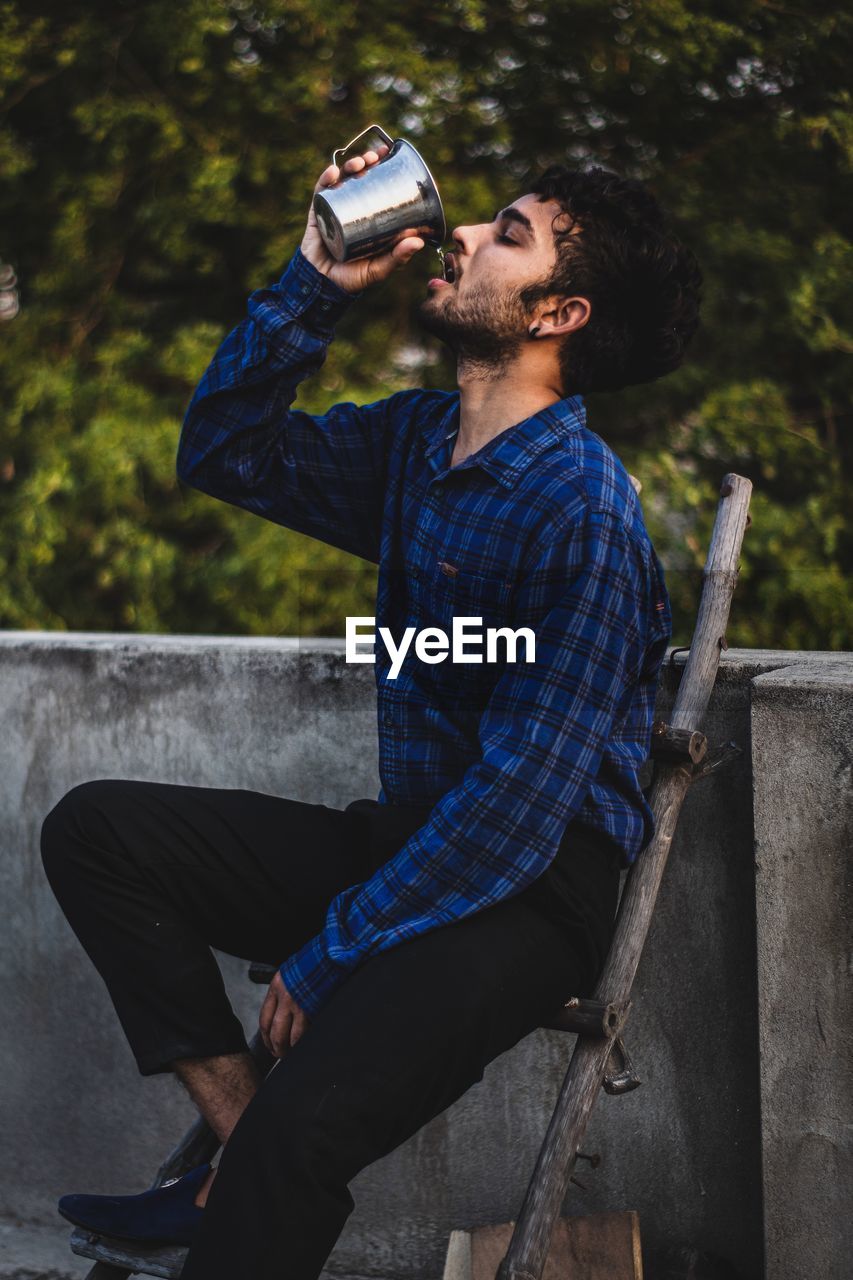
(508, 455)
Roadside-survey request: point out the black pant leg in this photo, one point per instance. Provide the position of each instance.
(151, 876)
(408, 1033)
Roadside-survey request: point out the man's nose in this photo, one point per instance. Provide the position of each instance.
(461, 237)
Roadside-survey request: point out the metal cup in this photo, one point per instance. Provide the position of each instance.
(369, 212)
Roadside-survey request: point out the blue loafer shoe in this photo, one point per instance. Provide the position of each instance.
(162, 1215)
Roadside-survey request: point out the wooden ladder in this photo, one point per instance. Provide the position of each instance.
(600, 1057)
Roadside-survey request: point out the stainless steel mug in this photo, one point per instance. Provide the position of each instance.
(371, 211)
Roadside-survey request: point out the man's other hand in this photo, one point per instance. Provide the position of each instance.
(354, 276)
(282, 1022)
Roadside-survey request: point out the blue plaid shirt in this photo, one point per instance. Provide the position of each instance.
(540, 528)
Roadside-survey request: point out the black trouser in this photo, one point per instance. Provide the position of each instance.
(150, 876)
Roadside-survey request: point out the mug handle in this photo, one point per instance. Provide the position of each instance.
(367, 140)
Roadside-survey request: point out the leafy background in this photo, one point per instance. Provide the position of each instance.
(157, 163)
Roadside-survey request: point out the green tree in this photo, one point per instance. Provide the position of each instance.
(157, 164)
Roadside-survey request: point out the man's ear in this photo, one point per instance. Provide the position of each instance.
(559, 315)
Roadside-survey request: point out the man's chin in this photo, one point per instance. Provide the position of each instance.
(433, 320)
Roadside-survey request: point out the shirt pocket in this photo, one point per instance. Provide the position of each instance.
(439, 596)
(444, 592)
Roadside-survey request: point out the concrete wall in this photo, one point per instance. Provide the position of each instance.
(292, 718)
(803, 771)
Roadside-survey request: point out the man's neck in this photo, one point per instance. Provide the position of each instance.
(488, 406)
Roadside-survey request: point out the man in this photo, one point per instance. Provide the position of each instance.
(422, 934)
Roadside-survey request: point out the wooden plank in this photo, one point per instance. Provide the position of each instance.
(598, 1246)
(165, 1261)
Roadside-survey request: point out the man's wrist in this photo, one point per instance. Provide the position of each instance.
(332, 293)
(303, 294)
(328, 276)
(311, 976)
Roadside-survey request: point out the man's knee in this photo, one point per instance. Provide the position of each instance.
(85, 813)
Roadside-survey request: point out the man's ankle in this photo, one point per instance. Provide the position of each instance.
(220, 1087)
(203, 1191)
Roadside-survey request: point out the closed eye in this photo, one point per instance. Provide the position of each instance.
(505, 239)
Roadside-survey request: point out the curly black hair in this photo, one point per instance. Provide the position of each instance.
(643, 284)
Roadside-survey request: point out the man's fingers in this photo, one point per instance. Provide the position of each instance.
(355, 164)
(280, 1033)
(266, 1017)
(407, 249)
(380, 268)
(300, 1022)
(328, 177)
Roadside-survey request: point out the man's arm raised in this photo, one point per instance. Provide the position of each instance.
(322, 475)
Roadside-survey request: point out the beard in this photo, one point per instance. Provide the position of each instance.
(485, 332)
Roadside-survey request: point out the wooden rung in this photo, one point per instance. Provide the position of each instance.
(675, 745)
(166, 1260)
(259, 972)
(585, 1018)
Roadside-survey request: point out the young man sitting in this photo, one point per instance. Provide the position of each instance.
(420, 934)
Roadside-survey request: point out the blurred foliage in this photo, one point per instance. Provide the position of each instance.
(157, 164)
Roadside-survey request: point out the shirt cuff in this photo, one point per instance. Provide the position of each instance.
(306, 293)
(311, 977)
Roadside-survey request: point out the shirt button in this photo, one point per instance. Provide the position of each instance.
(438, 487)
(388, 717)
